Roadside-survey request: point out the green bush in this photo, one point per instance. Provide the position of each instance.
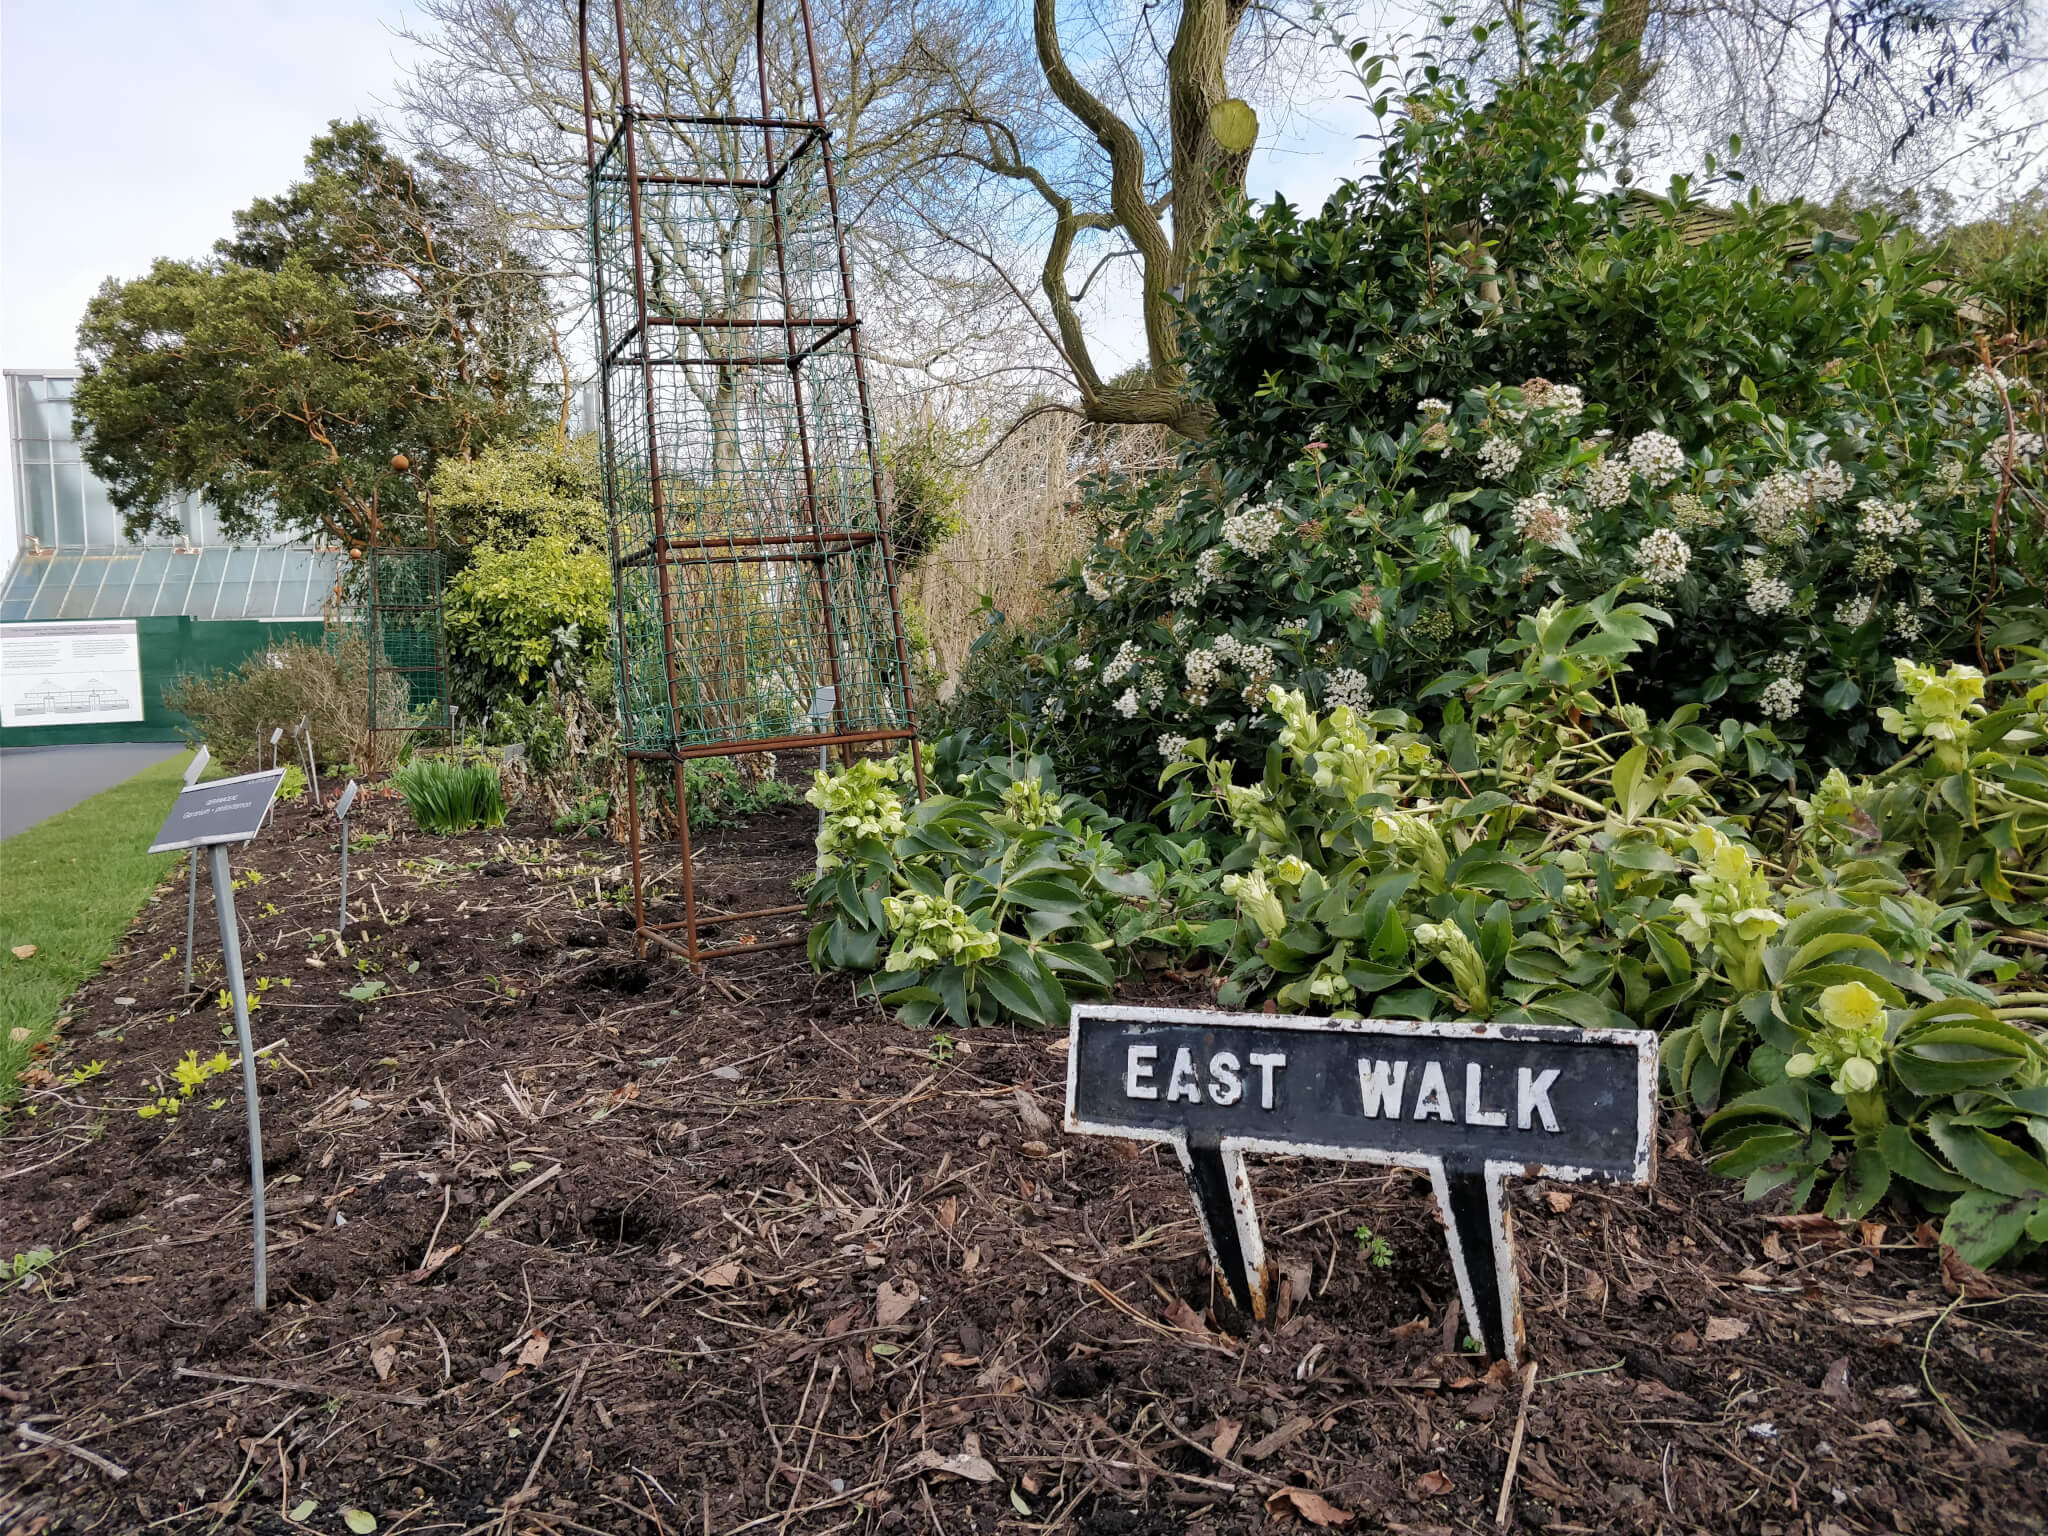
(326, 685)
(515, 492)
(447, 797)
(516, 616)
(1783, 436)
(1554, 856)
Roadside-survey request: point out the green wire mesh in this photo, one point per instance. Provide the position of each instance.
(408, 652)
(760, 573)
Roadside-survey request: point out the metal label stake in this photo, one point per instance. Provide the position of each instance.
(192, 771)
(213, 816)
(312, 768)
(276, 735)
(341, 808)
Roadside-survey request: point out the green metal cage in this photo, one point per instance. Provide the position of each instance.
(408, 648)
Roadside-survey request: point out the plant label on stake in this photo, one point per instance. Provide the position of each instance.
(341, 808)
(312, 768)
(276, 735)
(1469, 1104)
(192, 771)
(214, 816)
(823, 701)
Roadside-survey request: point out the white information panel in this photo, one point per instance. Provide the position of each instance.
(70, 674)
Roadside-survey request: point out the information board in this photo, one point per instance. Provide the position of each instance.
(70, 674)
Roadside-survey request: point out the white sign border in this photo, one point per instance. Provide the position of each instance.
(1496, 1171)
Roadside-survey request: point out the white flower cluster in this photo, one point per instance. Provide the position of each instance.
(1432, 409)
(1252, 531)
(1777, 510)
(1856, 612)
(1054, 709)
(1210, 568)
(1540, 396)
(1204, 671)
(1828, 484)
(1949, 475)
(1152, 687)
(1127, 704)
(1349, 687)
(1691, 512)
(1121, 665)
(1780, 697)
(1247, 656)
(1170, 746)
(1543, 521)
(1294, 626)
(1081, 663)
(1906, 623)
(1608, 483)
(1498, 457)
(1767, 594)
(2021, 447)
(1986, 385)
(1657, 457)
(1662, 556)
(1886, 520)
(1101, 586)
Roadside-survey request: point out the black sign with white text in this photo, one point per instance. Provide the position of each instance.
(1468, 1103)
(223, 811)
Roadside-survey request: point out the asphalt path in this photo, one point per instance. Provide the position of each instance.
(38, 782)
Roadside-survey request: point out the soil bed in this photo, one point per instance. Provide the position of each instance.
(565, 1240)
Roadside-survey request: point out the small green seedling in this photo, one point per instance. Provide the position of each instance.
(368, 991)
(942, 1048)
(22, 1265)
(1376, 1249)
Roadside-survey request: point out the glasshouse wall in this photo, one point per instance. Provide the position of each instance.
(167, 648)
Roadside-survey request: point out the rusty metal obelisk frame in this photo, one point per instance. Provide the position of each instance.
(752, 569)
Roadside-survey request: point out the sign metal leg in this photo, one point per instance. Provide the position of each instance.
(1483, 1256)
(1222, 1188)
(191, 912)
(341, 922)
(231, 955)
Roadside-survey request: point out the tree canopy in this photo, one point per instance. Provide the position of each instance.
(311, 373)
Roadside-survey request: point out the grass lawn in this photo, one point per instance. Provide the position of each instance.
(71, 885)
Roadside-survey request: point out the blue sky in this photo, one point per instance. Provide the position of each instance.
(132, 129)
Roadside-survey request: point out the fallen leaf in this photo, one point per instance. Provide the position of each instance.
(1184, 1317)
(1774, 1248)
(361, 1521)
(1959, 1278)
(1310, 1506)
(1722, 1330)
(23, 951)
(1559, 1200)
(893, 1302)
(1872, 1233)
(971, 1259)
(1595, 1288)
(976, 1469)
(839, 1325)
(1684, 1342)
(384, 1356)
(1836, 1383)
(957, 1360)
(1036, 1149)
(304, 1508)
(724, 1274)
(1434, 1482)
(534, 1350)
(949, 1212)
(1227, 1431)
(1280, 1439)
(1036, 1120)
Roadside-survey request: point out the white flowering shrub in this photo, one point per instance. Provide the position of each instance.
(1380, 564)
